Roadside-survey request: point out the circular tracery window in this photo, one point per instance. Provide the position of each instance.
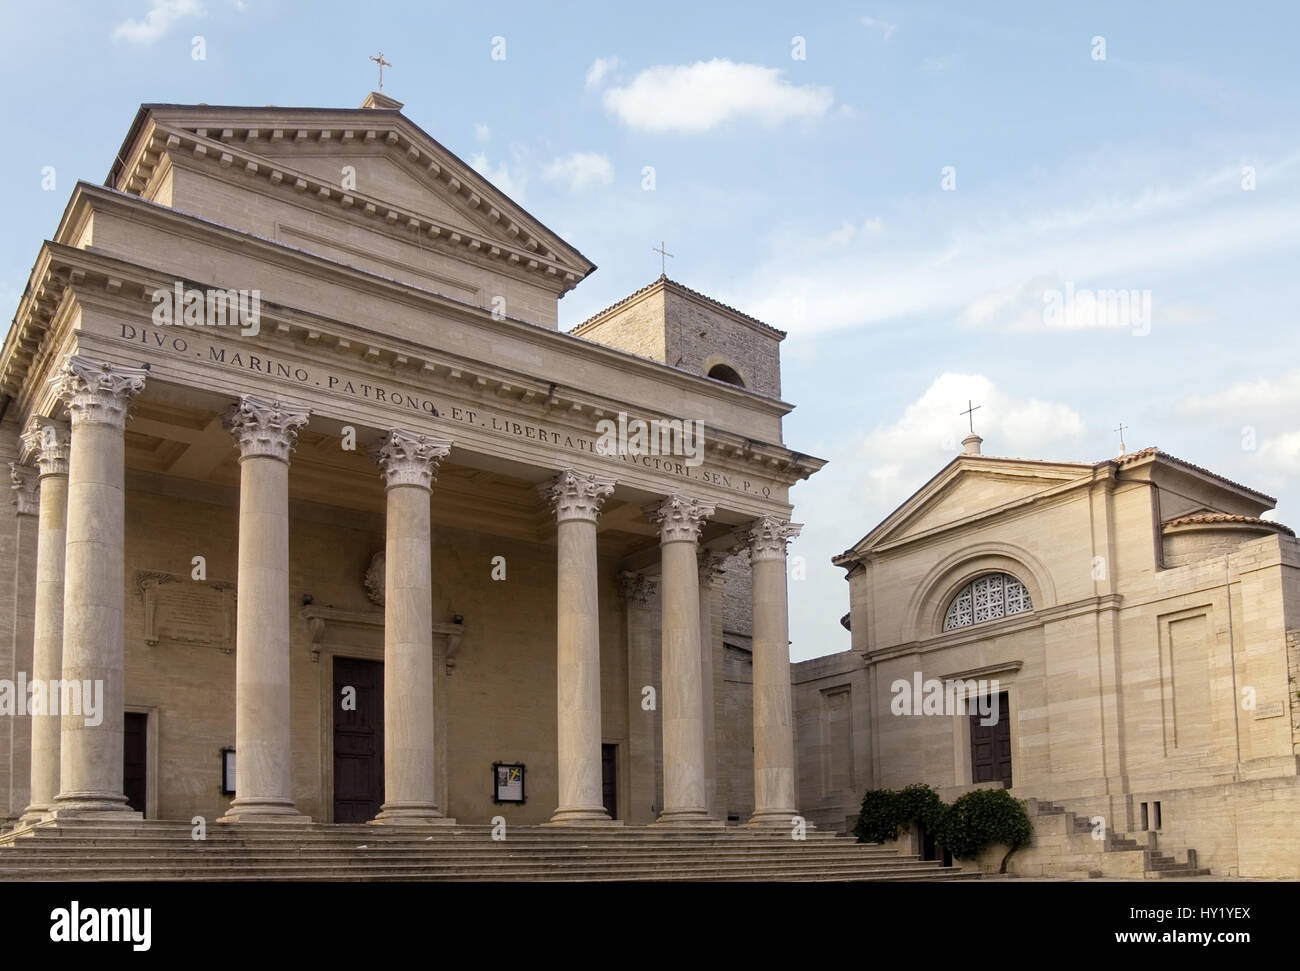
(987, 598)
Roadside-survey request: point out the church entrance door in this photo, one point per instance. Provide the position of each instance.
(358, 739)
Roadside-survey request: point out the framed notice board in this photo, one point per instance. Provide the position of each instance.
(508, 782)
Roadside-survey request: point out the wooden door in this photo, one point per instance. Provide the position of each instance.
(990, 746)
(135, 759)
(609, 778)
(358, 740)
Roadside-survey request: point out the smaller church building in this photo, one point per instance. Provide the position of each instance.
(1124, 634)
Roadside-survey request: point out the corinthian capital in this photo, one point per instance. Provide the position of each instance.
(406, 458)
(711, 566)
(46, 441)
(97, 392)
(638, 590)
(27, 489)
(680, 518)
(576, 495)
(264, 428)
(768, 536)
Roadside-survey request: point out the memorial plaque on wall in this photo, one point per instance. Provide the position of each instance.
(180, 610)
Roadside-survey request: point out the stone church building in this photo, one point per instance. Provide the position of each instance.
(311, 496)
(1135, 625)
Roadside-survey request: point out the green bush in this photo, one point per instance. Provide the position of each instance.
(980, 819)
(886, 813)
(977, 820)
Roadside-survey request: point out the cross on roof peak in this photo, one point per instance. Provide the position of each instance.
(664, 255)
(379, 59)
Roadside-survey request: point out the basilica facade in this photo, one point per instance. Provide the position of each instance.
(321, 508)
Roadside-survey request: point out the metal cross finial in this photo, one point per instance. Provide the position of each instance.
(970, 413)
(1120, 429)
(379, 59)
(663, 265)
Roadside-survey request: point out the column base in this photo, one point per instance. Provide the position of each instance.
(32, 815)
(414, 815)
(92, 805)
(582, 816)
(782, 818)
(695, 818)
(263, 811)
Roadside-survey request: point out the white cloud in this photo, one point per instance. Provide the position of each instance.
(989, 263)
(481, 131)
(937, 63)
(580, 170)
(885, 28)
(849, 231)
(895, 460)
(1281, 454)
(1247, 398)
(512, 183)
(600, 67)
(162, 15)
(695, 98)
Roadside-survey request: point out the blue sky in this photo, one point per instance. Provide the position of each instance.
(810, 193)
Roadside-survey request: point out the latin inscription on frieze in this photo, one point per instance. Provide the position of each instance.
(191, 344)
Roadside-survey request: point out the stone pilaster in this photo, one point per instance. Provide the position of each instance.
(576, 498)
(266, 432)
(680, 520)
(409, 464)
(774, 778)
(27, 498)
(98, 396)
(47, 441)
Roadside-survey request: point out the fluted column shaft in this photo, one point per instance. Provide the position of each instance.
(49, 442)
(576, 498)
(408, 463)
(98, 396)
(774, 780)
(680, 520)
(266, 432)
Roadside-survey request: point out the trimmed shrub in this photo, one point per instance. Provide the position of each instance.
(982, 818)
(886, 813)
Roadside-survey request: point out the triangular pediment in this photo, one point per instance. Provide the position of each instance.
(391, 182)
(969, 486)
(371, 161)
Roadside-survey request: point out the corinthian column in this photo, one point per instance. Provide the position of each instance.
(27, 491)
(680, 520)
(774, 783)
(576, 498)
(266, 432)
(98, 396)
(409, 464)
(48, 441)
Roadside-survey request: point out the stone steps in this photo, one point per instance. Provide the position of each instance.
(1075, 854)
(80, 850)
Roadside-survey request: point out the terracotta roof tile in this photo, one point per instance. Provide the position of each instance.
(1223, 517)
(1131, 457)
